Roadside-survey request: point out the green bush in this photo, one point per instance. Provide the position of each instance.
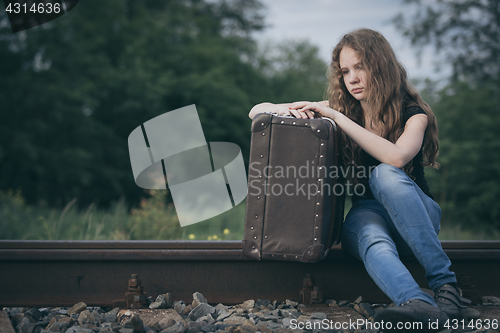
(15, 216)
(154, 219)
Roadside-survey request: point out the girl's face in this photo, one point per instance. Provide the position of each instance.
(355, 76)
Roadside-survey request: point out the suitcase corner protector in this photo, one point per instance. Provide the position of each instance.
(251, 250)
(313, 253)
(261, 122)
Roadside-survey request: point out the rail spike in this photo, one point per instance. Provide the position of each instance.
(135, 297)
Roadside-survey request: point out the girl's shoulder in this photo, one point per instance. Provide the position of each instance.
(410, 110)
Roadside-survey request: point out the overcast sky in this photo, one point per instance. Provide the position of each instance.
(324, 22)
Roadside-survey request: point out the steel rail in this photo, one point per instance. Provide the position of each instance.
(62, 273)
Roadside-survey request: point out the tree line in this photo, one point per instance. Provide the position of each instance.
(73, 89)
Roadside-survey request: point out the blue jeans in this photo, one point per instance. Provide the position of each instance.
(400, 220)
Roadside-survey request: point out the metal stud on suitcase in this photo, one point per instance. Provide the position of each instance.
(295, 201)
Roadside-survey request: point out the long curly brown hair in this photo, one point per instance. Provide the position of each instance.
(388, 93)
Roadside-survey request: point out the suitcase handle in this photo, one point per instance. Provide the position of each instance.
(289, 116)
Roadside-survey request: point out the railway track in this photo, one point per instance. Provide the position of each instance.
(62, 273)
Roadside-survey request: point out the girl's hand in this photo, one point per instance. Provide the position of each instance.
(287, 110)
(306, 110)
(311, 109)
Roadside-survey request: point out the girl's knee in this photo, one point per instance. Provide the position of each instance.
(360, 242)
(386, 177)
(376, 246)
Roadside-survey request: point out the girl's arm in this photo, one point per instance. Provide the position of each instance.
(397, 154)
(281, 109)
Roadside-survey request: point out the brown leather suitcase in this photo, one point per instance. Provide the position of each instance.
(295, 200)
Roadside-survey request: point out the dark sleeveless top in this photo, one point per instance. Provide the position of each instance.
(417, 174)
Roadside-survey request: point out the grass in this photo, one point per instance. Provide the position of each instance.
(154, 219)
(458, 232)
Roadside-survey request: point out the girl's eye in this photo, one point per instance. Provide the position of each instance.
(345, 72)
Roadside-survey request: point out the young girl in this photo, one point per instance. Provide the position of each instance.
(388, 130)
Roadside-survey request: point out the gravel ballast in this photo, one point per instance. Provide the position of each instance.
(251, 316)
